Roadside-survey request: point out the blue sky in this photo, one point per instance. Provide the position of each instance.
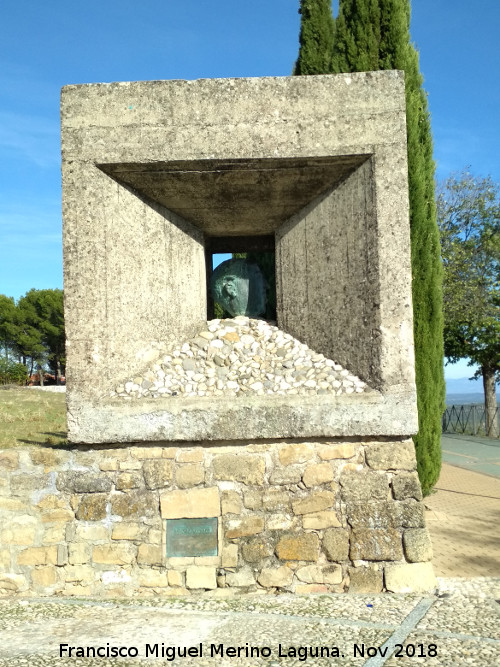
(44, 46)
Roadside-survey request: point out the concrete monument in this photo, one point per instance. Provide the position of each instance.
(238, 454)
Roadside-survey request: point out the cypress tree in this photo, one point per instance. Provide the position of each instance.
(316, 37)
(371, 35)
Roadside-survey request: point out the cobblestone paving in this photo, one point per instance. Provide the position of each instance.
(459, 626)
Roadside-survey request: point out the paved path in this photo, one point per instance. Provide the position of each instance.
(475, 453)
(355, 630)
(463, 518)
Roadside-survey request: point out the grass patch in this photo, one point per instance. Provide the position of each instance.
(32, 417)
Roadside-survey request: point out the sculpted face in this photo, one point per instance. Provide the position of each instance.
(238, 286)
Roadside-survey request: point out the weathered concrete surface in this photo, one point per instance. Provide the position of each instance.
(150, 169)
(239, 419)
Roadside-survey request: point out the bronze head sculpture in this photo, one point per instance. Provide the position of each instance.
(239, 287)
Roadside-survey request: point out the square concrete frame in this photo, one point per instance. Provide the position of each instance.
(151, 169)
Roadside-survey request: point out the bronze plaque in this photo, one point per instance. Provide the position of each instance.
(192, 537)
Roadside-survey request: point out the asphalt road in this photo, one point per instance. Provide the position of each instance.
(472, 452)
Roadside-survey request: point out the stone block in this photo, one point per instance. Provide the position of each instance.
(47, 457)
(128, 480)
(207, 560)
(275, 499)
(109, 465)
(13, 505)
(44, 576)
(229, 555)
(126, 531)
(391, 455)
(114, 554)
(250, 525)
(409, 514)
(92, 507)
(80, 573)
(129, 464)
(332, 574)
(321, 520)
(336, 544)
(10, 584)
(246, 468)
(78, 554)
(53, 502)
(190, 503)
(365, 580)
(314, 502)
(5, 559)
(189, 475)
(141, 453)
(364, 486)
(9, 460)
(310, 574)
(410, 578)
(57, 516)
(291, 474)
(272, 577)
(295, 453)
(304, 546)
(38, 556)
(257, 549)
(231, 502)
(91, 533)
(134, 504)
(378, 514)
(158, 473)
(406, 485)
(24, 484)
(20, 531)
(344, 450)
(169, 453)
(62, 554)
(201, 577)
(54, 534)
(175, 578)
(308, 589)
(417, 545)
(376, 544)
(243, 577)
(252, 499)
(190, 455)
(317, 474)
(150, 554)
(153, 579)
(281, 522)
(79, 482)
(155, 536)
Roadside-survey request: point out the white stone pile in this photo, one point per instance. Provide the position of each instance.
(238, 357)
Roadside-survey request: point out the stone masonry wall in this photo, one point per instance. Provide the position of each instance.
(293, 516)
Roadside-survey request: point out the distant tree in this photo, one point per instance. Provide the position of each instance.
(8, 325)
(12, 372)
(43, 320)
(317, 28)
(469, 222)
(374, 35)
(29, 341)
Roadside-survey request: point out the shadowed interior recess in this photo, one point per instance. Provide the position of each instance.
(236, 197)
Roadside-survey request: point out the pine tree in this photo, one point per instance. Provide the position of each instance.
(316, 37)
(372, 35)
